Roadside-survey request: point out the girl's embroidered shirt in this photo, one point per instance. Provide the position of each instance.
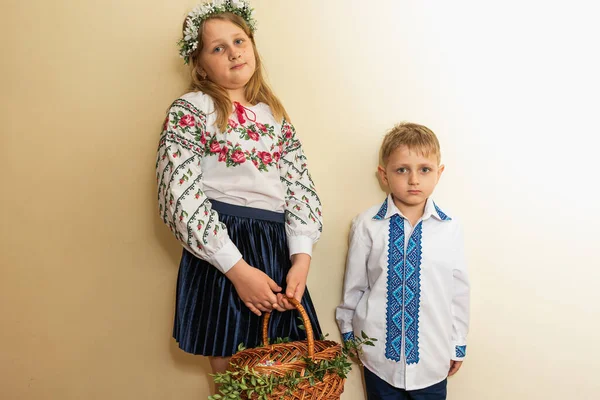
(257, 162)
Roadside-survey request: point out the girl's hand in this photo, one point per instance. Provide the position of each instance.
(296, 281)
(454, 367)
(254, 287)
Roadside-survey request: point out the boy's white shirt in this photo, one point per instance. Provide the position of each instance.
(430, 307)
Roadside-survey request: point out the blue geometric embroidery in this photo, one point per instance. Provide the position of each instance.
(403, 292)
(443, 216)
(412, 297)
(382, 211)
(393, 344)
(461, 351)
(347, 336)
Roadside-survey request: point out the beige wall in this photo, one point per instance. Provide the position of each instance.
(88, 271)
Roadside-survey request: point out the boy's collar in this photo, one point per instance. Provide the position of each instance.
(388, 209)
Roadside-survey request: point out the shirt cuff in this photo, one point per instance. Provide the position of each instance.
(347, 336)
(226, 257)
(459, 352)
(300, 244)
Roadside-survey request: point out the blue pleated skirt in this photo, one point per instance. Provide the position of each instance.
(210, 318)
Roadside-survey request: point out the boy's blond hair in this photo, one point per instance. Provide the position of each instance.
(416, 137)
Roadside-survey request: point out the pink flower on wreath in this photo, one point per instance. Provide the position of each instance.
(261, 127)
(265, 156)
(288, 132)
(232, 123)
(187, 120)
(202, 139)
(223, 154)
(255, 162)
(253, 135)
(166, 124)
(276, 156)
(215, 147)
(238, 157)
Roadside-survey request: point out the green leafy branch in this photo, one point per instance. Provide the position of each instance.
(244, 381)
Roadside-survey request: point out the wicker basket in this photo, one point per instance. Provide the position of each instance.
(289, 358)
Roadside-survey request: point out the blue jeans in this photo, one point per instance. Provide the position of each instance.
(378, 389)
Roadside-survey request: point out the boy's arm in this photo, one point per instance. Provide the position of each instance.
(355, 280)
(460, 301)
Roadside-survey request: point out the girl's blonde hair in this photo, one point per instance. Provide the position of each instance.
(257, 90)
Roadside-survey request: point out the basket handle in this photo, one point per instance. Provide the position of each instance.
(307, 326)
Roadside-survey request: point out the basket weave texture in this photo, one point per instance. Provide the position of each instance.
(289, 358)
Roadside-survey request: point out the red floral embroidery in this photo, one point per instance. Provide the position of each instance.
(223, 154)
(265, 156)
(253, 135)
(187, 120)
(261, 127)
(238, 157)
(215, 147)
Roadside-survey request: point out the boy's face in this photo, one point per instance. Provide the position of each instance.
(410, 176)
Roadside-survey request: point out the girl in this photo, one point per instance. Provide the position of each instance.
(234, 189)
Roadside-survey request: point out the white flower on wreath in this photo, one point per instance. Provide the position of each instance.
(188, 43)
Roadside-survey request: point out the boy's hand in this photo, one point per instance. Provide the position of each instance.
(254, 287)
(454, 367)
(296, 281)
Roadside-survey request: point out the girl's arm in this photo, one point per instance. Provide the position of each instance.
(186, 210)
(302, 210)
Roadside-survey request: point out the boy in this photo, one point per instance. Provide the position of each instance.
(406, 280)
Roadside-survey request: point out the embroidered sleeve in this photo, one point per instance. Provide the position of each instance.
(182, 204)
(460, 301)
(355, 280)
(302, 205)
(347, 336)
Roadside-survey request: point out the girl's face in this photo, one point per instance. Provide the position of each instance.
(227, 54)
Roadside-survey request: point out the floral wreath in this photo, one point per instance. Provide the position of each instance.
(202, 12)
